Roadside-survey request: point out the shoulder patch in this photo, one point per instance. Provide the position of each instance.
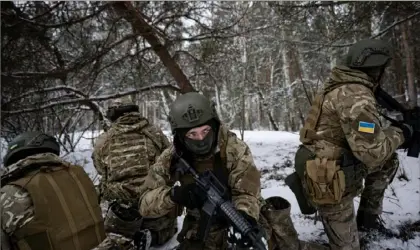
(366, 127)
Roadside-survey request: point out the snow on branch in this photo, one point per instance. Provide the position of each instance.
(61, 73)
(379, 34)
(88, 101)
(382, 32)
(332, 45)
(51, 89)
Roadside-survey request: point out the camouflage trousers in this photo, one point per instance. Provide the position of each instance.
(274, 219)
(121, 233)
(340, 220)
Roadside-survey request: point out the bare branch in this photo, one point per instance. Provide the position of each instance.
(56, 88)
(380, 33)
(90, 100)
(67, 23)
(63, 72)
(139, 24)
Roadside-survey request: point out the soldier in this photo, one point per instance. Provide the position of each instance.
(202, 141)
(122, 156)
(46, 203)
(344, 142)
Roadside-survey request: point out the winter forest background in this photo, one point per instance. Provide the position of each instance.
(260, 62)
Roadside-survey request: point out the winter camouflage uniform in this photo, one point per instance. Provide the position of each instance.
(336, 126)
(39, 201)
(122, 156)
(232, 163)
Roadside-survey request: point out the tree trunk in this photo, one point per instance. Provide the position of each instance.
(139, 25)
(408, 51)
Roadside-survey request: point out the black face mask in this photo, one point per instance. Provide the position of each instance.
(202, 147)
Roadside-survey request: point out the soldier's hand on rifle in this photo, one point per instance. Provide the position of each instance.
(187, 196)
(408, 135)
(242, 241)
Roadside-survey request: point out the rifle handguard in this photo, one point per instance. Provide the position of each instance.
(238, 220)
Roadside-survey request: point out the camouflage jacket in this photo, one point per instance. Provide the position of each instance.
(243, 179)
(123, 155)
(350, 120)
(16, 205)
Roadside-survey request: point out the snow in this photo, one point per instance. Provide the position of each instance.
(273, 153)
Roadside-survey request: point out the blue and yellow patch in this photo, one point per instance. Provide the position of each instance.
(366, 127)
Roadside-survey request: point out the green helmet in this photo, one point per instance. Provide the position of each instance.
(191, 110)
(368, 53)
(120, 106)
(30, 143)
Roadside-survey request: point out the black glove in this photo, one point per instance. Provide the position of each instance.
(234, 237)
(142, 239)
(408, 134)
(189, 196)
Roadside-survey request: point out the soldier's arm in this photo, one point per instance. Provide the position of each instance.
(154, 199)
(5, 241)
(371, 143)
(16, 208)
(164, 139)
(97, 161)
(244, 180)
(97, 155)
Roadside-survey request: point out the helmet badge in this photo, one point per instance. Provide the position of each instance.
(192, 114)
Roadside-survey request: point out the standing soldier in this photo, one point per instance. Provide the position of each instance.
(202, 141)
(46, 203)
(123, 156)
(344, 142)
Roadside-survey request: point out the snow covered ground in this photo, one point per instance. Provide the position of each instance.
(274, 155)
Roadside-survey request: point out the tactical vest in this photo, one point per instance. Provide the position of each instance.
(218, 165)
(215, 163)
(129, 153)
(128, 150)
(67, 213)
(308, 133)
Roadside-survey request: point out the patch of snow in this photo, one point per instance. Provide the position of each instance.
(273, 153)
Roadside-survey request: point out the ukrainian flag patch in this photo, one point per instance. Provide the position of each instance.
(366, 127)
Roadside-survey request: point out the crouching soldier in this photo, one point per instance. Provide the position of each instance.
(46, 203)
(122, 156)
(344, 142)
(205, 144)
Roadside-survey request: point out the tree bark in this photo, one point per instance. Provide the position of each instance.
(411, 87)
(138, 23)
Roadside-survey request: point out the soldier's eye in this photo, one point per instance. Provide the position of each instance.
(192, 134)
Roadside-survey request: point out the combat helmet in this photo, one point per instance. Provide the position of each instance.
(368, 53)
(191, 110)
(120, 106)
(30, 143)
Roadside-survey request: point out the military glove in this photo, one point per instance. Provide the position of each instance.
(188, 196)
(408, 134)
(234, 237)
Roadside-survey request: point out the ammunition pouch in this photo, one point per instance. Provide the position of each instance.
(325, 181)
(122, 220)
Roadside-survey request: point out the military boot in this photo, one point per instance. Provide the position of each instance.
(372, 223)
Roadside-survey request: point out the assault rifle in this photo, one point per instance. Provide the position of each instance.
(410, 117)
(215, 205)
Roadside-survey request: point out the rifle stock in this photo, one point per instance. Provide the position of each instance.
(216, 204)
(410, 116)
